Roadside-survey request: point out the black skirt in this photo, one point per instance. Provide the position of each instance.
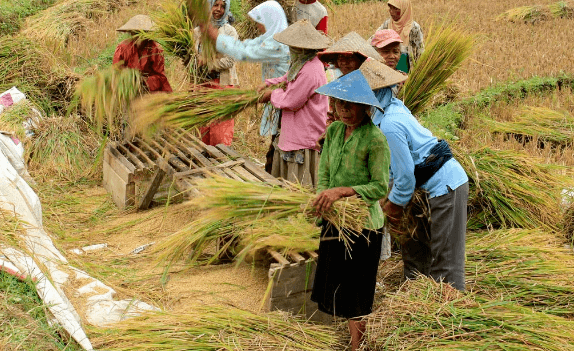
(345, 280)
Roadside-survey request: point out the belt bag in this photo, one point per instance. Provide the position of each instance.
(439, 155)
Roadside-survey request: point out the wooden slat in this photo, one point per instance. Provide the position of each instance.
(277, 256)
(252, 168)
(178, 152)
(183, 147)
(244, 174)
(205, 169)
(152, 189)
(133, 158)
(111, 156)
(121, 158)
(296, 257)
(312, 254)
(148, 160)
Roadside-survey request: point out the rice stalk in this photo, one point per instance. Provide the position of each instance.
(106, 96)
(511, 189)
(448, 47)
(530, 14)
(174, 32)
(426, 315)
(416, 217)
(55, 25)
(188, 110)
(65, 148)
(199, 12)
(246, 28)
(215, 328)
(529, 267)
(538, 123)
(562, 9)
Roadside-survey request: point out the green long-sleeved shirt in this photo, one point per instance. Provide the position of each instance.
(360, 162)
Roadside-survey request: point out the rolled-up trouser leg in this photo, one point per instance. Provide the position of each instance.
(447, 236)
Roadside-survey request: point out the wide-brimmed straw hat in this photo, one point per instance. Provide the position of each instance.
(350, 43)
(379, 75)
(351, 87)
(137, 23)
(385, 37)
(303, 35)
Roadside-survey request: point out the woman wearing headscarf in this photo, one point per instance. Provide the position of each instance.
(221, 72)
(304, 112)
(402, 22)
(273, 56)
(143, 55)
(420, 160)
(355, 161)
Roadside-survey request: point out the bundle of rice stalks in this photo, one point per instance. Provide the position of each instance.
(246, 28)
(106, 96)
(36, 72)
(568, 224)
(530, 14)
(511, 189)
(529, 267)
(64, 147)
(216, 328)
(562, 9)
(447, 49)
(199, 12)
(17, 118)
(174, 32)
(538, 123)
(427, 315)
(416, 217)
(55, 25)
(194, 109)
(251, 212)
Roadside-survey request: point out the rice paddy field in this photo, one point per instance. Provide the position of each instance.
(508, 111)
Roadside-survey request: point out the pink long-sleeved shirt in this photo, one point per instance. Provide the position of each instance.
(304, 112)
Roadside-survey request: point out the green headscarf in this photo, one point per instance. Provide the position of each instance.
(299, 58)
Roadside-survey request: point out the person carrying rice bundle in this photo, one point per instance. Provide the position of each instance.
(221, 72)
(355, 161)
(410, 32)
(143, 55)
(273, 56)
(346, 55)
(420, 160)
(303, 112)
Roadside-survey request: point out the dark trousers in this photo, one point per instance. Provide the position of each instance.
(440, 253)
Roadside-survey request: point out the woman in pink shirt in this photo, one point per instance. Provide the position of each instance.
(303, 112)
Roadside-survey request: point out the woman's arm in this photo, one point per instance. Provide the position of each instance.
(297, 92)
(251, 50)
(225, 62)
(403, 168)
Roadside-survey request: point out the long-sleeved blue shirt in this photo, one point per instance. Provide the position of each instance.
(410, 143)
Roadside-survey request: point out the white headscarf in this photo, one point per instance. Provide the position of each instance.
(271, 15)
(223, 20)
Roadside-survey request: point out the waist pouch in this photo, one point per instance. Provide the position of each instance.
(439, 155)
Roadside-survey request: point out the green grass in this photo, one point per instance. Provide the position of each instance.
(25, 319)
(13, 13)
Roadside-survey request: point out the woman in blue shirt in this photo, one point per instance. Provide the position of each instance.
(420, 160)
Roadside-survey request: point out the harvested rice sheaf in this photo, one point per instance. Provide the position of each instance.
(529, 267)
(511, 189)
(530, 14)
(447, 48)
(426, 315)
(216, 328)
(562, 9)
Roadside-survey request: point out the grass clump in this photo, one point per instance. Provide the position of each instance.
(446, 50)
(213, 328)
(530, 14)
(427, 315)
(13, 12)
(562, 9)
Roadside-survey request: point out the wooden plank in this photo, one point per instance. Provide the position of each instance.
(252, 168)
(114, 152)
(123, 194)
(277, 256)
(245, 175)
(292, 279)
(152, 189)
(296, 257)
(119, 167)
(205, 169)
(178, 152)
(183, 147)
(133, 158)
(149, 161)
(312, 254)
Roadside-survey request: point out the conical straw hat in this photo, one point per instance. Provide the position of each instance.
(351, 87)
(303, 35)
(137, 23)
(350, 43)
(380, 75)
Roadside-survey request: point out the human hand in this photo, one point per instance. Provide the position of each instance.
(265, 97)
(394, 215)
(325, 199)
(261, 87)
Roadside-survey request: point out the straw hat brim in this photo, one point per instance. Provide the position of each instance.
(379, 75)
(303, 35)
(350, 43)
(138, 23)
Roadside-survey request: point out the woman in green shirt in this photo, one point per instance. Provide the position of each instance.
(355, 161)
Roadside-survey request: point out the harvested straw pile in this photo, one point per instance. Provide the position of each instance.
(538, 123)
(416, 217)
(530, 14)
(249, 211)
(568, 223)
(529, 267)
(36, 72)
(55, 25)
(216, 328)
(511, 189)
(426, 315)
(447, 49)
(189, 110)
(106, 96)
(64, 147)
(562, 9)
(199, 12)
